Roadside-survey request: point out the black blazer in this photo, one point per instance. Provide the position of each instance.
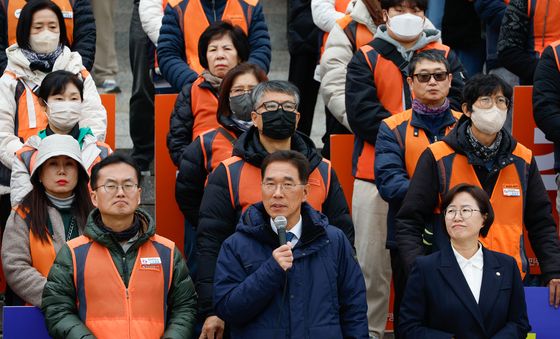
(438, 302)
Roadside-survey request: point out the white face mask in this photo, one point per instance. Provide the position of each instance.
(490, 120)
(64, 115)
(406, 27)
(44, 41)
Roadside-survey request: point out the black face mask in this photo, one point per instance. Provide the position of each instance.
(278, 124)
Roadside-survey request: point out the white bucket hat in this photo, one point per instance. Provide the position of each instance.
(55, 145)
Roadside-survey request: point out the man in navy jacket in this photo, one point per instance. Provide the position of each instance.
(310, 287)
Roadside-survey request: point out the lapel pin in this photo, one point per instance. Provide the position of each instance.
(498, 274)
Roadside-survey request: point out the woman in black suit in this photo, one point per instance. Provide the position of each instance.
(465, 290)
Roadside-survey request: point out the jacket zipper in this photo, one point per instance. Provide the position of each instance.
(125, 270)
(214, 10)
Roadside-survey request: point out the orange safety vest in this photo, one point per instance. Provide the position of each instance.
(339, 6)
(412, 140)
(110, 309)
(545, 22)
(243, 178)
(390, 84)
(358, 34)
(217, 146)
(14, 9)
(237, 12)
(204, 105)
(506, 233)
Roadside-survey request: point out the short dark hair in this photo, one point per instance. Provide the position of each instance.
(23, 29)
(115, 158)
(422, 4)
(217, 30)
(228, 80)
(275, 86)
(293, 157)
(430, 55)
(481, 198)
(56, 82)
(481, 85)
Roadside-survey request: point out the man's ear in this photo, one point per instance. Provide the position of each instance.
(465, 110)
(93, 195)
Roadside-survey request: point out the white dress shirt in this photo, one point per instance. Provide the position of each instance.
(296, 231)
(472, 270)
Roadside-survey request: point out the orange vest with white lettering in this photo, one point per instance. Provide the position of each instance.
(390, 84)
(110, 309)
(506, 233)
(244, 179)
(545, 23)
(14, 9)
(236, 12)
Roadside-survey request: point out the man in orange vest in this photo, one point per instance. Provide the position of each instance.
(376, 88)
(184, 21)
(527, 28)
(233, 186)
(120, 279)
(403, 137)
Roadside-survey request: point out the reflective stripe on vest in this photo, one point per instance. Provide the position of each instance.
(411, 139)
(339, 6)
(389, 83)
(14, 10)
(42, 252)
(508, 196)
(544, 16)
(358, 34)
(27, 155)
(204, 105)
(236, 12)
(243, 178)
(107, 307)
(215, 148)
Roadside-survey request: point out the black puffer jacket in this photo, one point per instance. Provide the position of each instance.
(303, 36)
(417, 209)
(218, 218)
(83, 34)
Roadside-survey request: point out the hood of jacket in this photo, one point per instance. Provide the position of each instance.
(249, 147)
(255, 222)
(94, 232)
(18, 64)
(429, 35)
(457, 140)
(360, 14)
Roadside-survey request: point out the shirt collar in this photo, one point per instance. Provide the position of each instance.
(477, 260)
(296, 230)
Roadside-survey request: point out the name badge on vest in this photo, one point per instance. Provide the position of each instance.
(511, 191)
(67, 14)
(17, 13)
(153, 263)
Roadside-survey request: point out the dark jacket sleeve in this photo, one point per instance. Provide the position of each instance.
(514, 51)
(546, 96)
(363, 108)
(171, 51)
(259, 40)
(414, 307)
(517, 325)
(541, 226)
(455, 95)
(181, 301)
(352, 292)
(189, 187)
(84, 32)
(240, 297)
(491, 12)
(336, 208)
(59, 300)
(180, 125)
(417, 209)
(391, 177)
(3, 37)
(217, 222)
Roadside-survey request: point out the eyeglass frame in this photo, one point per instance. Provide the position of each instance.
(241, 92)
(493, 101)
(280, 105)
(431, 75)
(460, 210)
(133, 188)
(284, 186)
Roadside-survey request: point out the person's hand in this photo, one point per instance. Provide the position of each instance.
(554, 289)
(283, 256)
(213, 328)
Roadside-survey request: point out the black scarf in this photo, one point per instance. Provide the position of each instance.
(43, 62)
(484, 153)
(123, 235)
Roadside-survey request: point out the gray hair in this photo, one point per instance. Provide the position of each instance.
(276, 86)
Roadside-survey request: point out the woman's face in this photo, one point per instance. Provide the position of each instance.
(71, 93)
(44, 19)
(59, 176)
(463, 219)
(221, 55)
(242, 84)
